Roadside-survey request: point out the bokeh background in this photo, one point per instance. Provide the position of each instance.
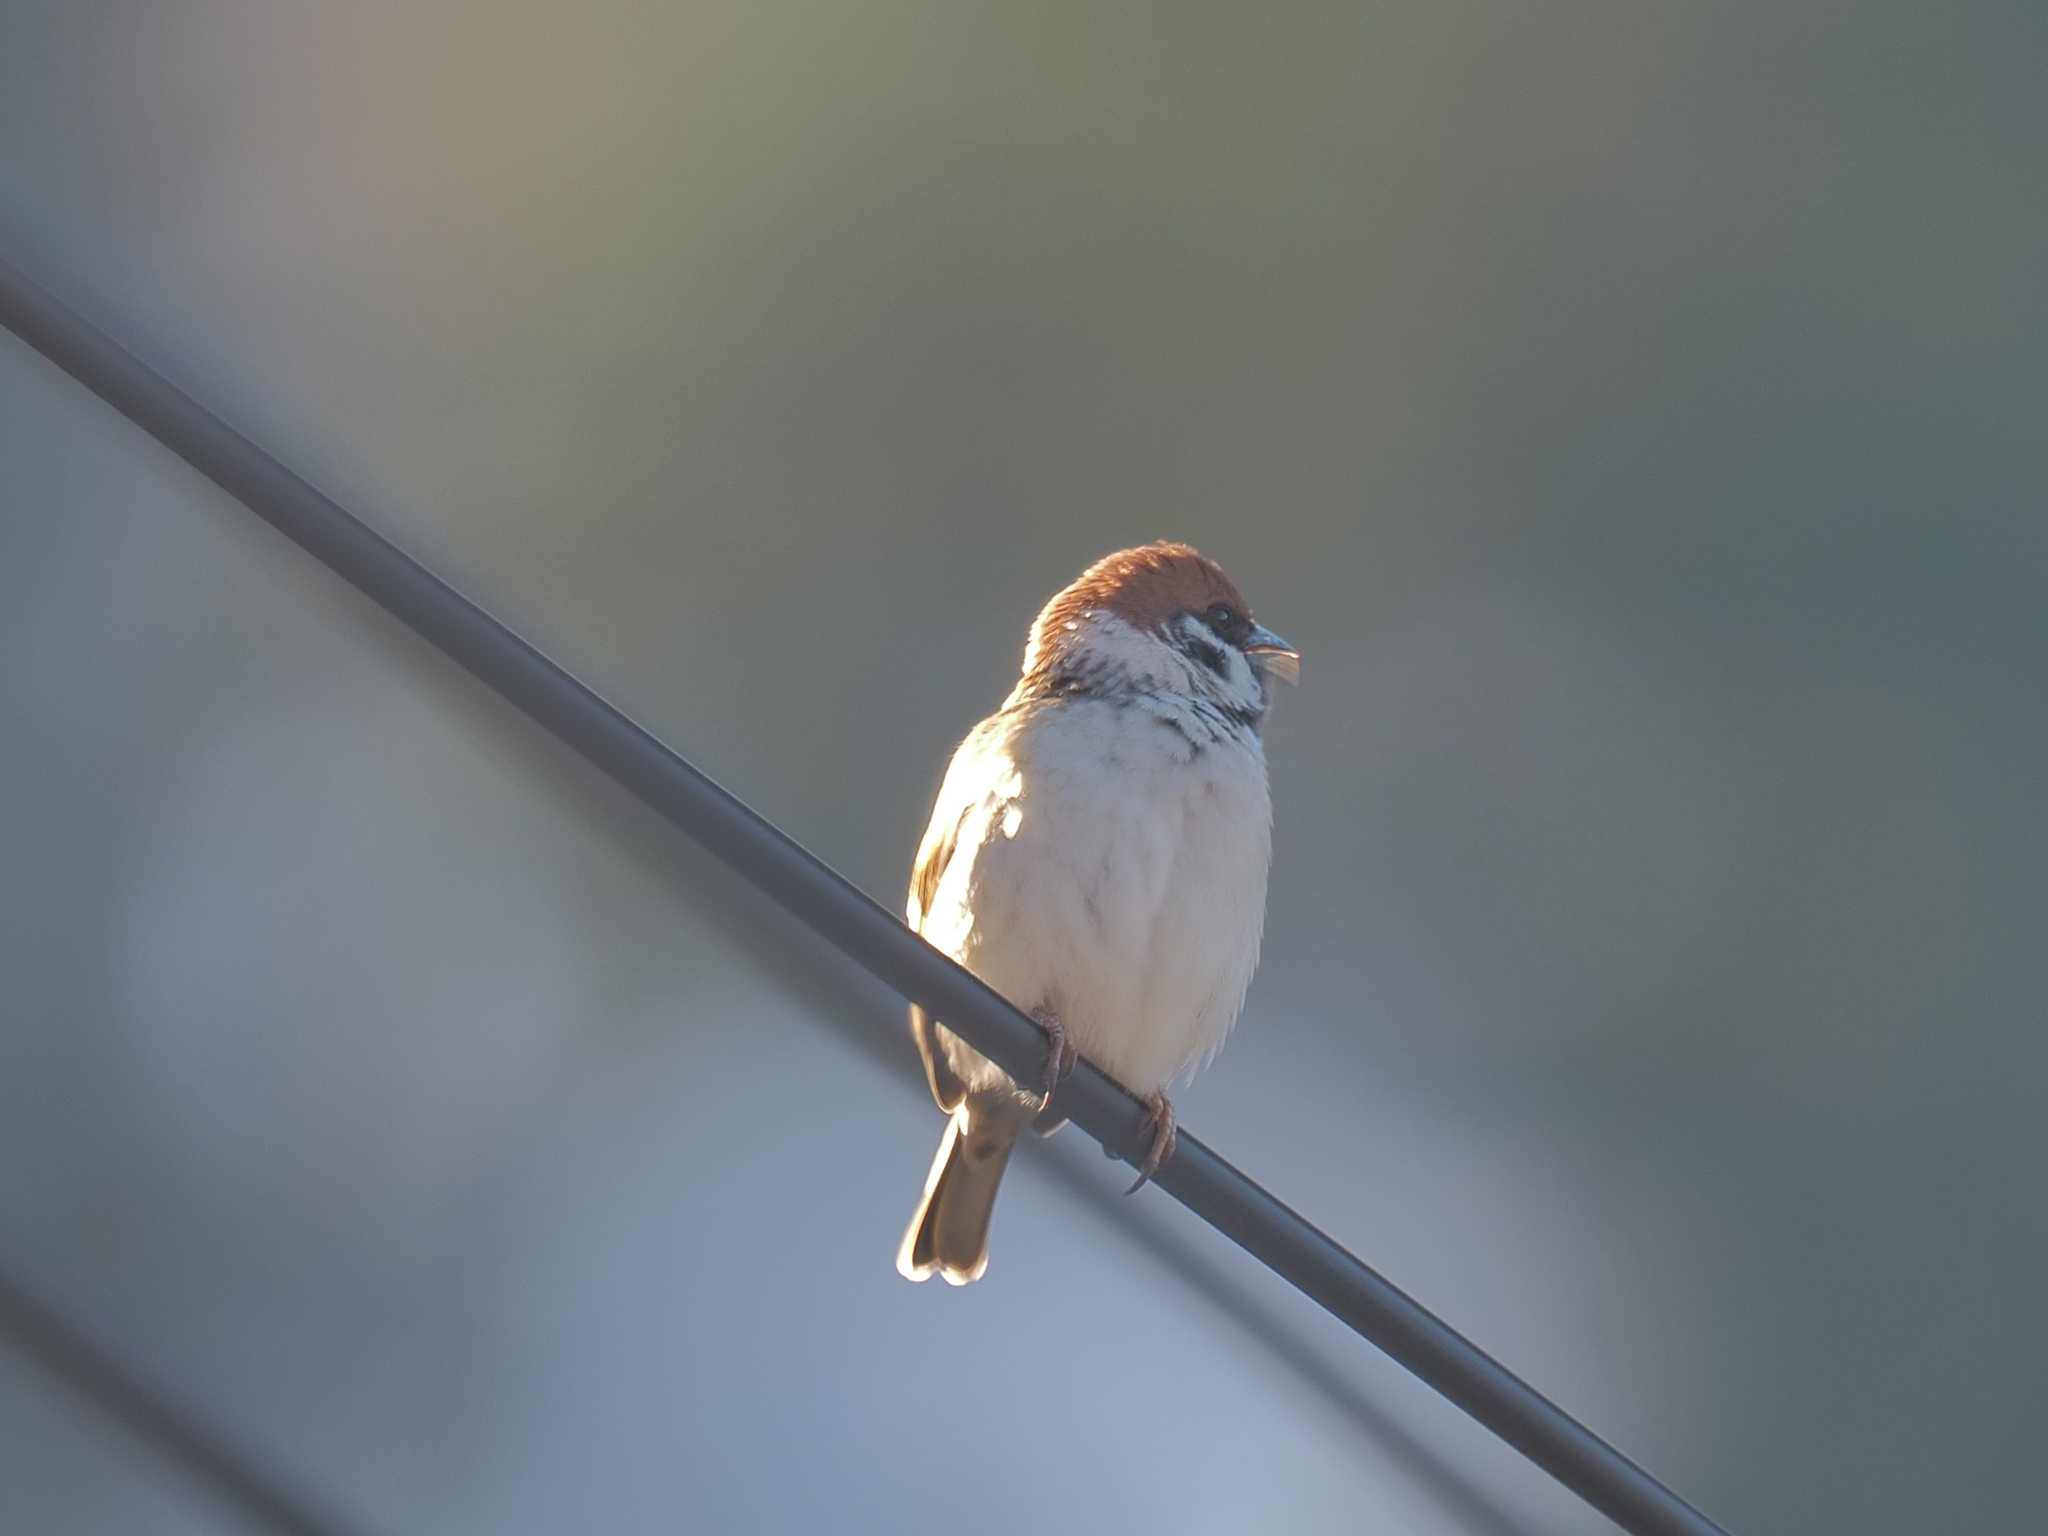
(1635, 412)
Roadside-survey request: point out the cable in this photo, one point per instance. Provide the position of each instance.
(847, 917)
(63, 1351)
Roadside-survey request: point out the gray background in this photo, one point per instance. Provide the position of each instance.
(1634, 411)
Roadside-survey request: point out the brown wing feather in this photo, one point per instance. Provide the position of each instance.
(946, 1086)
(932, 856)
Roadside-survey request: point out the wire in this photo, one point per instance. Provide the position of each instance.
(168, 1428)
(847, 917)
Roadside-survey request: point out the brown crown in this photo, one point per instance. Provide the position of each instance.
(1144, 587)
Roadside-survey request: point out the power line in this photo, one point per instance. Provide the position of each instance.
(167, 1427)
(847, 917)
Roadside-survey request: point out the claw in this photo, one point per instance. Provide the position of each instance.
(1159, 1120)
(1060, 1056)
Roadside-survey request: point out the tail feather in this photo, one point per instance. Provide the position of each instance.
(949, 1234)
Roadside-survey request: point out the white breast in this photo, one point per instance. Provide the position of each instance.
(1110, 868)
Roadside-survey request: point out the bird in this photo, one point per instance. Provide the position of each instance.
(1098, 854)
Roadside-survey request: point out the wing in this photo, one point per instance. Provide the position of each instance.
(973, 793)
(946, 1086)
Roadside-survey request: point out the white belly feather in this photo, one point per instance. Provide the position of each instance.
(1109, 869)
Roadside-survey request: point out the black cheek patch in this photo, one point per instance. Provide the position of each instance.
(1210, 656)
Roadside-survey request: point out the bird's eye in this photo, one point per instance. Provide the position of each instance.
(1221, 618)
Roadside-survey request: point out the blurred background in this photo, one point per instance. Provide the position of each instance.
(1635, 413)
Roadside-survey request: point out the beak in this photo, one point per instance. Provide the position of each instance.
(1272, 656)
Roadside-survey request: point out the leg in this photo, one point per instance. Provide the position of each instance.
(1160, 1127)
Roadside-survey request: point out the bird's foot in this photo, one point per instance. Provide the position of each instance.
(1060, 1056)
(1160, 1128)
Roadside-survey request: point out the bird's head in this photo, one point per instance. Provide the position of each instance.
(1160, 618)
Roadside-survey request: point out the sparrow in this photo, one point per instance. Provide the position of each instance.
(1098, 855)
